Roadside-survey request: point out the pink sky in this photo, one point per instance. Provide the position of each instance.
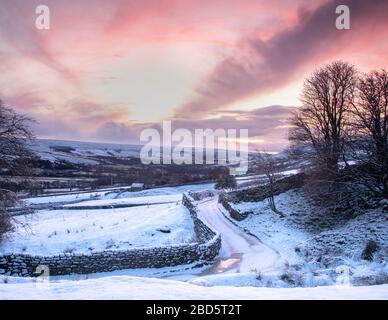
(107, 69)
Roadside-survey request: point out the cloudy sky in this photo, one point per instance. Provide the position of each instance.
(107, 69)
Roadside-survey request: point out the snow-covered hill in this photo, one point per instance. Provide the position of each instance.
(82, 152)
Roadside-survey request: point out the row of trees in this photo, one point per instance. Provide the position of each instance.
(343, 127)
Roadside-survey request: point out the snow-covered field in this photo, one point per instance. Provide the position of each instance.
(128, 201)
(164, 191)
(65, 198)
(82, 231)
(127, 287)
(89, 229)
(111, 194)
(248, 180)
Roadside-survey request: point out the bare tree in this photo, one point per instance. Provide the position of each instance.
(14, 157)
(7, 200)
(321, 122)
(227, 182)
(370, 132)
(269, 167)
(321, 125)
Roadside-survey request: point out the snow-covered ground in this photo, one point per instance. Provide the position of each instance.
(163, 191)
(82, 152)
(128, 287)
(82, 231)
(270, 229)
(260, 178)
(128, 201)
(71, 197)
(313, 246)
(87, 230)
(111, 194)
(249, 267)
(349, 238)
(240, 252)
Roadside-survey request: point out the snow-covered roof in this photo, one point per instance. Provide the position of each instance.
(137, 185)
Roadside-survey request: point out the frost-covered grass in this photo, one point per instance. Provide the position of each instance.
(85, 231)
(350, 238)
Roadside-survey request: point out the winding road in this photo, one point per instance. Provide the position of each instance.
(240, 252)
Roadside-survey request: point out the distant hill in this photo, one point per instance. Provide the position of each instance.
(93, 153)
(82, 152)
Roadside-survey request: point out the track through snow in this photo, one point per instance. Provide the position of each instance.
(240, 252)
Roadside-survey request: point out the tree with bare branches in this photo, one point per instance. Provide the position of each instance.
(322, 125)
(14, 157)
(269, 167)
(321, 122)
(369, 145)
(227, 182)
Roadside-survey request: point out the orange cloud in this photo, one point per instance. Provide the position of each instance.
(273, 63)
